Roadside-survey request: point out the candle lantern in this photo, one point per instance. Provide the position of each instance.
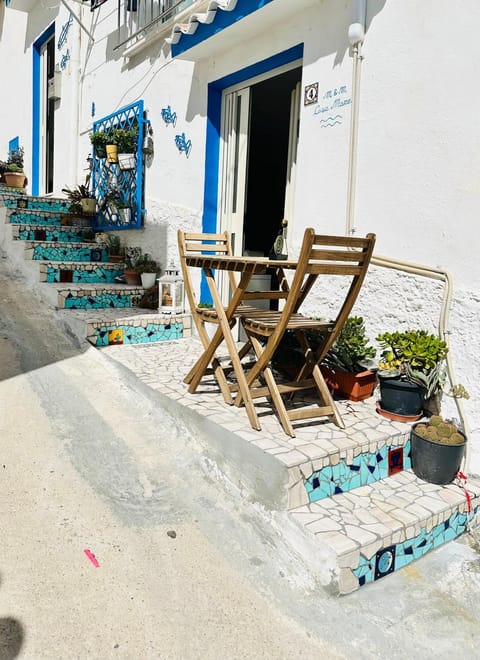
(171, 291)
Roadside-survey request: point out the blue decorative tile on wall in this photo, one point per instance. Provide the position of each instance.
(404, 553)
(69, 253)
(363, 470)
(152, 332)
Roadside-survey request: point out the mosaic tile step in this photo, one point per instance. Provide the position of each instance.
(49, 233)
(44, 251)
(41, 218)
(113, 296)
(8, 191)
(381, 528)
(80, 272)
(142, 330)
(37, 203)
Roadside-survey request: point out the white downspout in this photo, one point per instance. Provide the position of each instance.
(356, 36)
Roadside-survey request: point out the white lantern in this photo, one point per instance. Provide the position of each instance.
(171, 291)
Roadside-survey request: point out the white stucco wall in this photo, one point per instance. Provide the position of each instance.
(418, 142)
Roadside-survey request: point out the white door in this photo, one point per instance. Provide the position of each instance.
(235, 122)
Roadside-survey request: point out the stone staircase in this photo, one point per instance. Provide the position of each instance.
(75, 276)
(351, 494)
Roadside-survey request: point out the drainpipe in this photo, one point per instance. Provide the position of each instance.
(356, 36)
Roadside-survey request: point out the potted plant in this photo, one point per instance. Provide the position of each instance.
(133, 258)
(13, 169)
(437, 449)
(411, 371)
(99, 141)
(345, 365)
(126, 140)
(148, 269)
(80, 196)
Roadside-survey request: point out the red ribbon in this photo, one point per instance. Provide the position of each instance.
(461, 481)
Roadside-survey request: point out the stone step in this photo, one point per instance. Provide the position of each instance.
(44, 218)
(16, 201)
(80, 272)
(91, 296)
(49, 233)
(9, 191)
(55, 251)
(111, 327)
(380, 528)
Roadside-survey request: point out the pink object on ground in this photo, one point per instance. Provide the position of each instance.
(92, 558)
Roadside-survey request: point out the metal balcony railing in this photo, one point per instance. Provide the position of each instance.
(137, 16)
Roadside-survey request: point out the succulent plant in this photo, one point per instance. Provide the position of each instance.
(441, 431)
(351, 350)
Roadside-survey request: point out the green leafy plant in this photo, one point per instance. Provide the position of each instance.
(440, 431)
(126, 139)
(79, 192)
(146, 265)
(133, 257)
(15, 161)
(351, 351)
(205, 305)
(416, 356)
(99, 141)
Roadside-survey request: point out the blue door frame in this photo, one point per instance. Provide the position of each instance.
(214, 116)
(36, 106)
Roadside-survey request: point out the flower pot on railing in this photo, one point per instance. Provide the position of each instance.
(126, 161)
(125, 215)
(112, 153)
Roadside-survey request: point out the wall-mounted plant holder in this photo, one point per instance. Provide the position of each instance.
(183, 144)
(168, 116)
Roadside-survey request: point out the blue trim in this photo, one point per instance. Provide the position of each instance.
(14, 144)
(36, 109)
(212, 149)
(222, 20)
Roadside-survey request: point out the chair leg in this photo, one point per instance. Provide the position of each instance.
(192, 382)
(326, 396)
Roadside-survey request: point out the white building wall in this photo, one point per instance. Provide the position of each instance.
(418, 144)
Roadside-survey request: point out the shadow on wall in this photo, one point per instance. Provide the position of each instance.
(11, 638)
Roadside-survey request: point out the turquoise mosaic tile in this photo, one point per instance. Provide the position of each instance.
(25, 218)
(127, 334)
(96, 275)
(390, 559)
(37, 203)
(50, 234)
(100, 301)
(366, 468)
(44, 252)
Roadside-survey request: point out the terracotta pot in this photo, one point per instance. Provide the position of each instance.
(15, 179)
(132, 277)
(116, 258)
(354, 387)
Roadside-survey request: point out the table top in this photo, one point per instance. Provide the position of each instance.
(254, 265)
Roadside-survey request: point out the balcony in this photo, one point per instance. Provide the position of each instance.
(142, 21)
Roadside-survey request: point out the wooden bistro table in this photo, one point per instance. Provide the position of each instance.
(246, 267)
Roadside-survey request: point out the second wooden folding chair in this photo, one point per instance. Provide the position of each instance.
(319, 256)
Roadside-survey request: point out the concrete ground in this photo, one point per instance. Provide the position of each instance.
(90, 460)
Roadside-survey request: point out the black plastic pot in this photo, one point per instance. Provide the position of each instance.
(400, 397)
(434, 462)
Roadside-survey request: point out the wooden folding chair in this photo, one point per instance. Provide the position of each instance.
(216, 244)
(320, 255)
